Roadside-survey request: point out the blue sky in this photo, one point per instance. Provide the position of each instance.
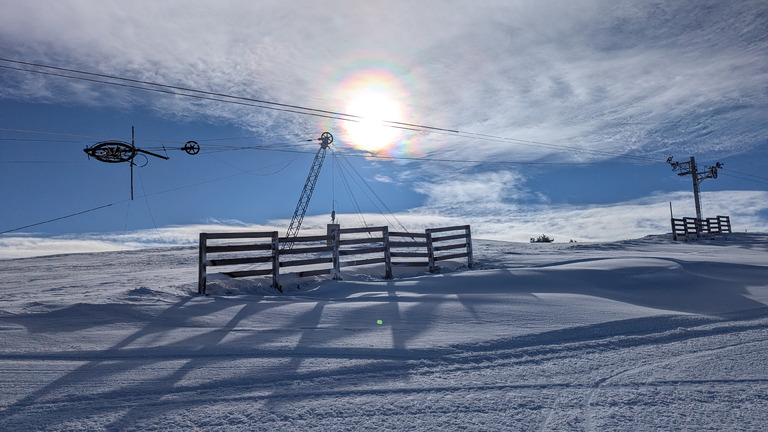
(553, 117)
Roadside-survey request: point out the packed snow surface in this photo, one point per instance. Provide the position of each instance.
(646, 334)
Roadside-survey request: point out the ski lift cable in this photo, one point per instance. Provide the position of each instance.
(430, 159)
(347, 187)
(234, 99)
(292, 108)
(253, 172)
(384, 204)
(755, 180)
(351, 195)
(59, 133)
(366, 194)
(291, 143)
(267, 147)
(146, 195)
(127, 217)
(41, 140)
(149, 210)
(333, 187)
(63, 217)
(274, 105)
(743, 173)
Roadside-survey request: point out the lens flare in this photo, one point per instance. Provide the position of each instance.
(373, 107)
(374, 95)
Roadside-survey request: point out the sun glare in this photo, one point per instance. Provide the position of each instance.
(369, 133)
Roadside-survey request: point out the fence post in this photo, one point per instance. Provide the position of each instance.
(431, 251)
(276, 261)
(201, 275)
(693, 222)
(335, 237)
(387, 254)
(712, 226)
(674, 230)
(470, 261)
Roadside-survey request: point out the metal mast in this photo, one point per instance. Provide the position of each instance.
(309, 186)
(689, 168)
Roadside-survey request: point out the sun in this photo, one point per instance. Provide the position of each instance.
(373, 110)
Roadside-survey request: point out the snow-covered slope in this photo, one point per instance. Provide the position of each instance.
(646, 334)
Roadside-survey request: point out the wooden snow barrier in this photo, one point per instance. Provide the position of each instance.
(691, 227)
(248, 254)
(717, 225)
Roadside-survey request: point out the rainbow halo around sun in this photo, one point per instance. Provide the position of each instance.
(373, 97)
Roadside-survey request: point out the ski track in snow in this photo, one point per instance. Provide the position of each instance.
(644, 334)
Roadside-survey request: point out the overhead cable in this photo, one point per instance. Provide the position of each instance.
(277, 106)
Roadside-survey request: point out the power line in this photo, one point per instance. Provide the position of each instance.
(765, 182)
(61, 217)
(113, 77)
(12, 162)
(149, 210)
(441, 159)
(108, 137)
(743, 173)
(351, 195)
(204, 95)
(374, 194)
(55, 133)
(291, 108)
(251, 172)
(39, 140)
(270, 147)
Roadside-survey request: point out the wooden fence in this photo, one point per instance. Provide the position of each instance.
(692, 227)
(328, 254)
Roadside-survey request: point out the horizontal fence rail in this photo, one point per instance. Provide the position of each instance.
(691, 227)
(327, 254)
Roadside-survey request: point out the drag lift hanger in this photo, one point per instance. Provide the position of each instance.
(119, 151)
(309, 187)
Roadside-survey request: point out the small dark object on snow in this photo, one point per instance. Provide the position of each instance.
(542, 239)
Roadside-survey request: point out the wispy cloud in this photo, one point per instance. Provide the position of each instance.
(490, 220)
(567, 81)
(473, 189)
(27, 245)
(603, 75)
(618, 221)
(383, 179)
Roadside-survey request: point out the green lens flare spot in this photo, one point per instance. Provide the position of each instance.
(379, 322)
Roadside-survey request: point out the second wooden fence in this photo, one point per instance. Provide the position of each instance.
(691, 227)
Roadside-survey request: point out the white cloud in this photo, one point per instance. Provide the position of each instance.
(489, 220)
(602, 75)
(609, 77)
(623, 220)
(27, 245)
(383, 178)
(472, 189)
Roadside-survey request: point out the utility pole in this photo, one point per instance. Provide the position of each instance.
(689, 168)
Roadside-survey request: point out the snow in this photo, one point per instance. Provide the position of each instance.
(645, 334)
